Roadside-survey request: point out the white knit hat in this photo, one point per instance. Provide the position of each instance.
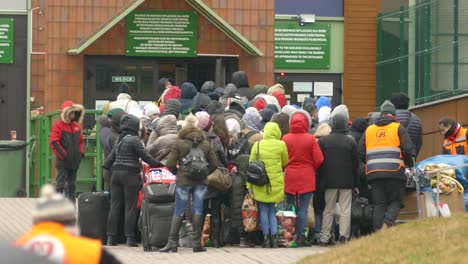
(324, 114)
(54, 207)
(151, 109)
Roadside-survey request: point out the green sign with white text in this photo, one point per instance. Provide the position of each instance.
(6, 40)
(162, 34)
(302, 47)
(117, 79)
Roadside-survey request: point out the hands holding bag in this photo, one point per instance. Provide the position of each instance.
(220, 180)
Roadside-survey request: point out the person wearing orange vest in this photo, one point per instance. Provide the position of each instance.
(455, 137)
(54, 234)
(386, 148)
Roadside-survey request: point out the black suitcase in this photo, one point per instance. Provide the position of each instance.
(93, 209)
(158, 193)
(155, 223)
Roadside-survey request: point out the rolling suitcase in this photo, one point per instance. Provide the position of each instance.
(93, 209)
(155, 224)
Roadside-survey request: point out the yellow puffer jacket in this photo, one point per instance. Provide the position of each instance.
(274, 153)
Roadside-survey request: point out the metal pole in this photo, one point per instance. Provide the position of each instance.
(98, 157)
(28, 88)
(379, 59)
(427, 50)
(411, 77)
(438, 191)
(402, 61)
(455, 45)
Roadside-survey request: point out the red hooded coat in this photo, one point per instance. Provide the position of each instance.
(66, 138)
(305, 156)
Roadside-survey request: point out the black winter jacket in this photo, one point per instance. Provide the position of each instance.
(128, 148)
(339, 169)
(413, 125)
(406, 147)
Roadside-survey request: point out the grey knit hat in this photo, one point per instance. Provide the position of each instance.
(387, 108)
(172, 107)
(53, 207)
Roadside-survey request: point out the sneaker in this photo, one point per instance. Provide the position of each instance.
(343, 240)
(323, 244)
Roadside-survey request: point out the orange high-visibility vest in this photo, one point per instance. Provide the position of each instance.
(383, 148)
(458, 145)
(52, 241)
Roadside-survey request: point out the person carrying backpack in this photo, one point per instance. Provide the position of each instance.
(274, 154)
(196, 159)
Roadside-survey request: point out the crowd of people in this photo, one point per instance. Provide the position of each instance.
(313, 154)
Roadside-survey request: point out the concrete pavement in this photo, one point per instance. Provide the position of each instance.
(226, 255)
(15, 219)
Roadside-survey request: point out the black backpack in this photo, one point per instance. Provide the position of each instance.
(194, 164)
(256, 172)
(241, 146)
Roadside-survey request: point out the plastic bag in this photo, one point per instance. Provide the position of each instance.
(249, 214)
(205, 237)
(286, 227)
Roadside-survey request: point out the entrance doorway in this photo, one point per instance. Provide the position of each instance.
(104, 75)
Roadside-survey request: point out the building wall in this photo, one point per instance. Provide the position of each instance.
(58, 76)
(255, 21)
(58, 26)
(430, 116)
(360, 38)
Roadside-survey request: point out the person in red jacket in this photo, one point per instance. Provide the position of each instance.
(305, 157)
(66, 141)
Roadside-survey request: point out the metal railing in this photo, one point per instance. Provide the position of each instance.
(422, 50)
(41, 156)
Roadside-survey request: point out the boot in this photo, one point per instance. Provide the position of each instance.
(173, 240)
(215, 231)
(197, 230)
(243, 242)
(251, 239)
(266, 241)
(131, 242)
(301, 241)
(111, 241)
(274, 241)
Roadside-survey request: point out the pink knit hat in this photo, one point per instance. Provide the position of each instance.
(203, 120)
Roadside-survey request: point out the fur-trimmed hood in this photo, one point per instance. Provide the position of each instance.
(190, 133)
(298, 123)
(68, 108)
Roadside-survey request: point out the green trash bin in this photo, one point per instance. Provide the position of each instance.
(12, 168)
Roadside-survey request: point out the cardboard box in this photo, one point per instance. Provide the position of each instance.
(455, 201)
(410, 211)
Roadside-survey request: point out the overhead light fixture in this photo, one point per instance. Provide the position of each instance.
(306, 19)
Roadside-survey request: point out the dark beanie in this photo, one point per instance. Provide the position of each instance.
(124, 88)
(400, 101)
